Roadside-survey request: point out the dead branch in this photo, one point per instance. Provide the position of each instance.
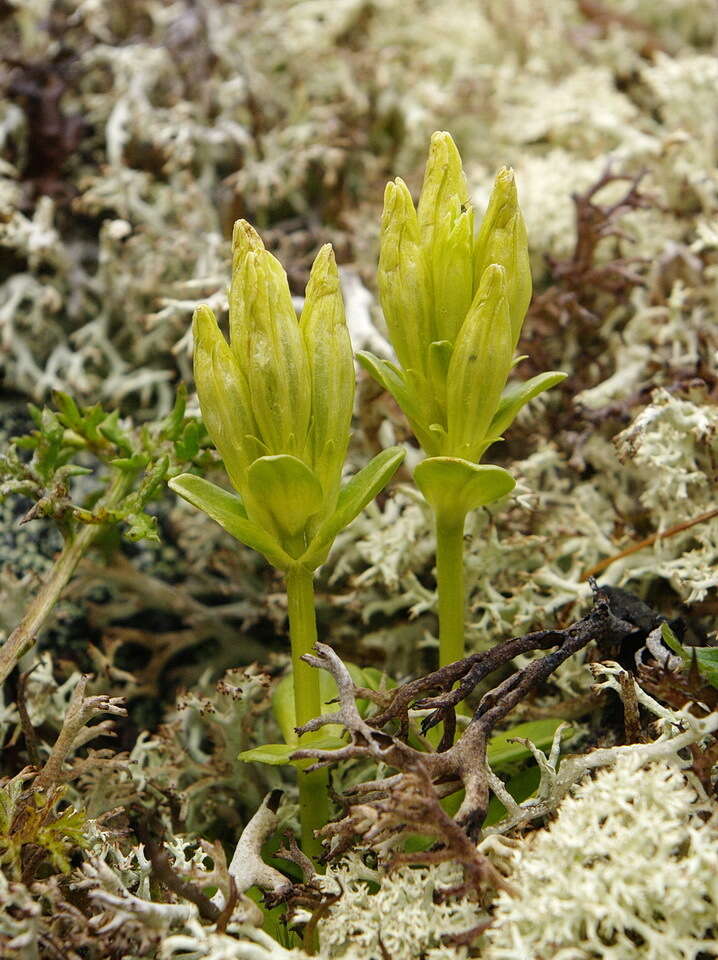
(74, 734)
(409, 799)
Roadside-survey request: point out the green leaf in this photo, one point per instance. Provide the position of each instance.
(278, 754)
(68, 410)
(375, 679)
(228, 510)
(111, 430)
(517, 395)
(188, 445)
(171, 426)
(501, 753)
(138, 461)
(353, 497)
(521, 787)
(455, 486)
(283, 701)
(407, 388)
(707, 660)
(141, 526)
(286, 493)
(390, 377)
(672, 641)
(706, 657)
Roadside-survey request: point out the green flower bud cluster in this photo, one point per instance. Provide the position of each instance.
(454, 302)
(277, 403)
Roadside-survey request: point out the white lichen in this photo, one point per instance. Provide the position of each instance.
(395, 910)
(628, 870)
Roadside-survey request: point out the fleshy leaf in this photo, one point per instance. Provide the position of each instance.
(283, 701)
(517, 395)
(278, 754)
(410, 391)
(386, 375)
(353, 497)
(456, 486)
(228, 510)
(706, 658)
(501, 753)
(285, 492)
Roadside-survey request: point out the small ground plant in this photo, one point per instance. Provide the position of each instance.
(387, 822)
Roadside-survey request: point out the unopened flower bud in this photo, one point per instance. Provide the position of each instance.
(502, 239)
(480, 364)
(268, 346)
(331, 362)
(404, 285)
(223, 397)
(446, 224)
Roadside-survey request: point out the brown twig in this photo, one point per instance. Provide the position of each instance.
(74, 733)
(375, 814)
(648, 542)
(164, 872)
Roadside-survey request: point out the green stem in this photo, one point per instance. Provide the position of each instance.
(25, 635)
(313, 787)
(450, 585)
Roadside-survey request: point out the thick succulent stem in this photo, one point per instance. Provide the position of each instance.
(313, 787)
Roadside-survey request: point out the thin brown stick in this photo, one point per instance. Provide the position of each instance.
(648, 542)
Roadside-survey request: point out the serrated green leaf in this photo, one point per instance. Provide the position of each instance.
(227, 509)
(353, 497)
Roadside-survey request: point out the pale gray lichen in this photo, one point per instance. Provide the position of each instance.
(294, 114)
(674, 443)
(628, 869)
(394, 910)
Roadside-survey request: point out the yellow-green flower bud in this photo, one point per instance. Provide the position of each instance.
(224, 398)
(446, 224)
(403, 280)
(329, 350)
(245, 239)
(502, 239)
(480, 364)
(444, 191)
(267, 343)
